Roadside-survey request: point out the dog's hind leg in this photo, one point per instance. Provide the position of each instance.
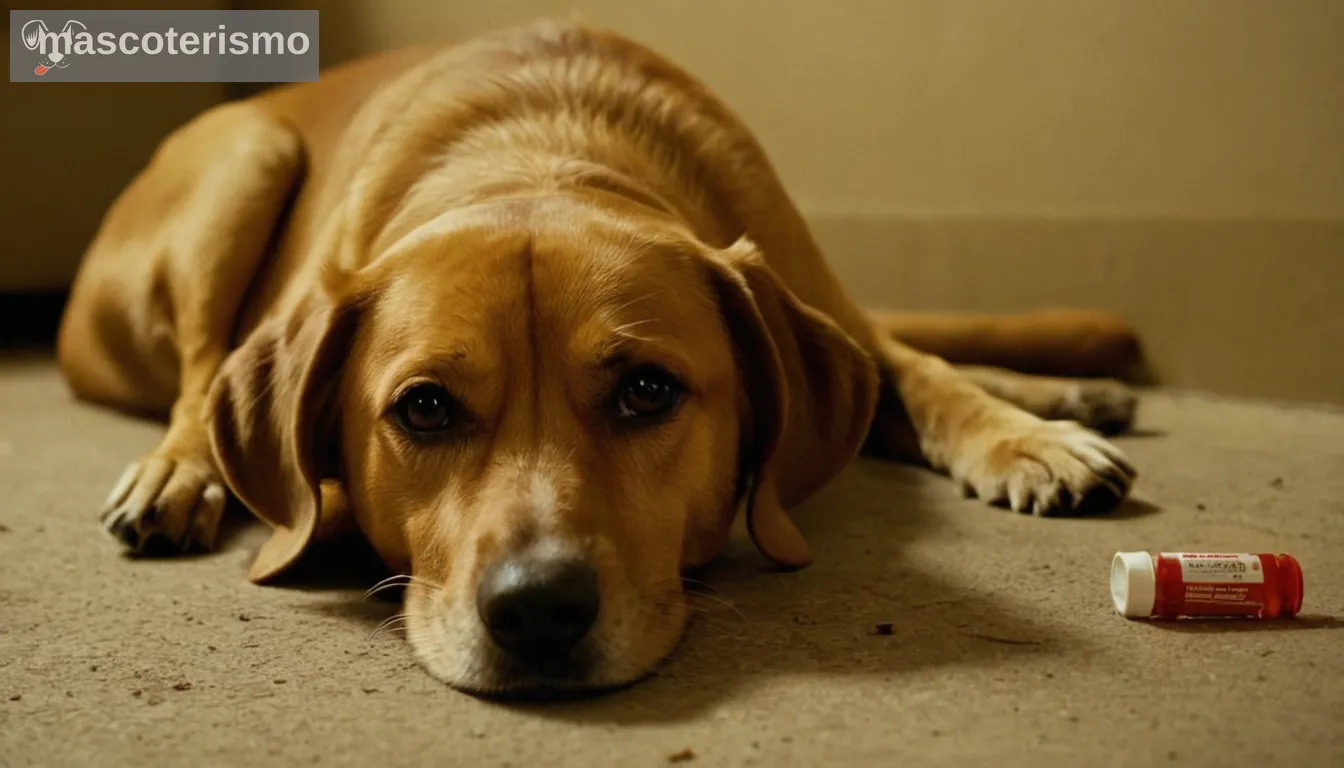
(1055, 342)
(1106, 405)
(151, 315)
(992, 448)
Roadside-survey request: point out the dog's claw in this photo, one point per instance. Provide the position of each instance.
(176, 502)
(1048, 468)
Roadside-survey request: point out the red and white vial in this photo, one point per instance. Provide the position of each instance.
(1179, 585)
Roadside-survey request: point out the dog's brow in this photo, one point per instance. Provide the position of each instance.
(614, 352)
(620, 350)
(451, 362)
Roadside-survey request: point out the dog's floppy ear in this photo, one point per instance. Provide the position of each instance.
(272, 426)
(810, 393)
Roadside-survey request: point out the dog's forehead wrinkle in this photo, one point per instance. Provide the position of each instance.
(484, 222)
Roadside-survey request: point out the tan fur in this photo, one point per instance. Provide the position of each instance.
(518, 219)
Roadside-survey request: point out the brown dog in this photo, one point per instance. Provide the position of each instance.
(535, 314)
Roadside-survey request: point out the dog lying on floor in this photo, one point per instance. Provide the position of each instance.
(535, 315)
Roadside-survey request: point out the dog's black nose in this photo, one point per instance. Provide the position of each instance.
(538, 608)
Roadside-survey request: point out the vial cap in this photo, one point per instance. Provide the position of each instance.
(1133, 584)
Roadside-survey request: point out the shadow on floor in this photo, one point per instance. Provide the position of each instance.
(1214, 626)
(863, 609)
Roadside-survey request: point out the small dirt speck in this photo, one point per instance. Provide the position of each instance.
(244, 617)
(279, 681)
(137, 693)
(755, 745)
(1266, 652)
(1050, 675)
(69, 694)
(4, 528)
(16, 697)
(478, 732)
(1171, 755)
(369, 690)
(93, 667)
(682, 756)
(1276, 483)
(935, 732)
(881, 629)
(787, 739)
(1260, 678)
(182, 686)
(211, 648)
(1200, 507)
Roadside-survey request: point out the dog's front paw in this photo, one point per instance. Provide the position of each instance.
(1044, 467)
(178, 502)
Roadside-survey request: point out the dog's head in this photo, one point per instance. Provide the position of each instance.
(543, 411)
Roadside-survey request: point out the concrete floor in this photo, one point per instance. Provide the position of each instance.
(1004, 649)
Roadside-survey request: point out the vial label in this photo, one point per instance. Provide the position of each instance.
(1208, 568)
(1173, 585)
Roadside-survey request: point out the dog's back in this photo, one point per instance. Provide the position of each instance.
(398, 138)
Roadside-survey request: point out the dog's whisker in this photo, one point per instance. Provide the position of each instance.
(427, 583)
(400, 580)
(698, 583)
(624, 330)
(683, 606)
(683, 597)
(633, 302)
(682, 581)
(392, 623)
(392, 620)
(718, 601)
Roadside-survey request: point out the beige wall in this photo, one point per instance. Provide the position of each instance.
(67, 149)
(1176, 161)
(1100, 108)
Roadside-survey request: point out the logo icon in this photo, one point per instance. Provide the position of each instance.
(38, 37)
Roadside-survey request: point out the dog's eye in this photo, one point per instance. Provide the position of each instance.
(648, 394)
(426, 408)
